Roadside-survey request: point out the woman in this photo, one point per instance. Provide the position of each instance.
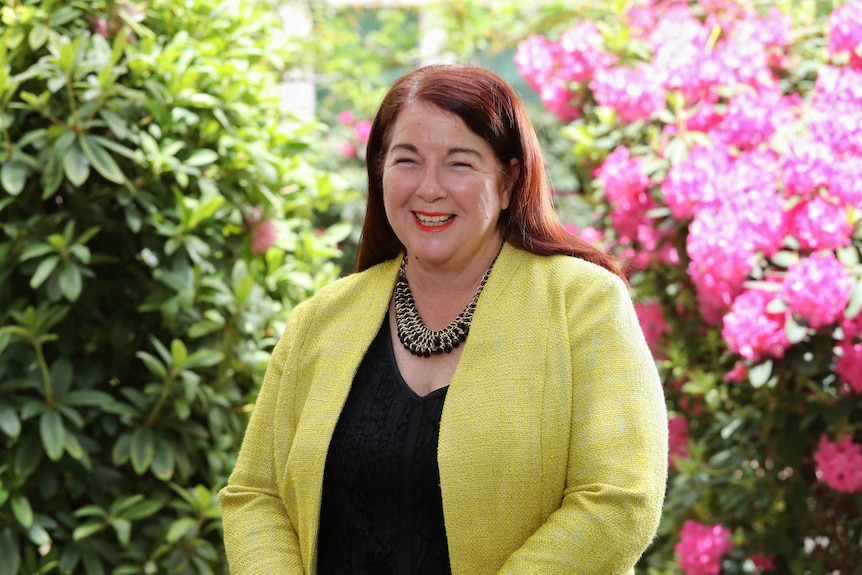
(478, 398)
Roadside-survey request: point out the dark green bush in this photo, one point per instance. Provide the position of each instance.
(143, 146)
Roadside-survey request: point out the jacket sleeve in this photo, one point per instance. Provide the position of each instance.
(617, 466)
(258, 535)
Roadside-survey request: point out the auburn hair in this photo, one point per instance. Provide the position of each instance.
(489, 107)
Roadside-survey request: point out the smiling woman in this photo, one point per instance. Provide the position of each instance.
(478, 398)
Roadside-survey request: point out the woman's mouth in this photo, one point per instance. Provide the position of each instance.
(433, 222)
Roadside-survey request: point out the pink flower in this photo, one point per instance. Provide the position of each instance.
(557, 98)
(839, 464)
(582, 53)
(737, 374)
(751, 331)
(262, 231)
(848, 368)
(678, 439)
(845, 34)
(347, 149)
(817, 288)
(652, 323)
(346, 118)
(807, 167)
(696, 180)
(362, 129)
(763, 562)
(537, 59)
(623, 177)
(753, 118)
(701, 546)
(819, 224)
(634, 94)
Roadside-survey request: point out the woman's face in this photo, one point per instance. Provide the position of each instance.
(443, 189)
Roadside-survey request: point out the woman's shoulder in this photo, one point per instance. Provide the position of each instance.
(567, 270)
(351, 290)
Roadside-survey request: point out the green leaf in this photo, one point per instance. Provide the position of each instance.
(153, 364)
(142, 510)
(38, 36)
(122, 449)
(22, 511)
(101, 160)
(201, 158)
(143, 448)
(53, 434)
(163, 460)
(794, 331)
(43, 271)
(81, 397)
(76, 166)
(179, 528)
(88, 528)
(10, 552)
(13, 176)
(204, 358)
(27, 456)
(10, 424)
(123, 529)
(38, 535)
(70, 281)
(179, 353)
(760, 374)
(73, 447)
(855, 303)
(52, 177)
(35, 251)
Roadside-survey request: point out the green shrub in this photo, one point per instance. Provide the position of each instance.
(147, 165)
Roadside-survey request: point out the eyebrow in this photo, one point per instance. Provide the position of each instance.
(449, 152)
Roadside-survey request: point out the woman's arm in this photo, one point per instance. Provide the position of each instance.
(617, 468)
(259, 537)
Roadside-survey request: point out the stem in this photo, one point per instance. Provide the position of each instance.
(166, 388)
(46, 374)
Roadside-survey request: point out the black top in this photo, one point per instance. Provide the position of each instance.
(382, 512)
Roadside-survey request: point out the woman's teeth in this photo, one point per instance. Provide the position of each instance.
(433, 220)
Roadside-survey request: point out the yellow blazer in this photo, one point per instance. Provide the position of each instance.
(553, 440)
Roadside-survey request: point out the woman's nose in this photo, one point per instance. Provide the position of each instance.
(431, 187)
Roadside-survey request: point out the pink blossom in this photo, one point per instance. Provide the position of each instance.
(623, 177)
(583, 53)
(737, 374)
(262, 231)
(817, 288)
(763, 562)
(537, 59)
(347, 149)
(807, 167)
(700, 548)
(723, 242)
(752, 118)
(819, 224)
(652, 323)
(557, 98)
(753, 332)
(835, 117)
(362, 130)
(632, 93)
(695, 180)
(839, 464)
(848, 368)
(346, 118)
(846, 182)
(677, 439)
(845, 34)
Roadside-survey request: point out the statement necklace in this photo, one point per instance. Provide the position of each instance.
(412, 331)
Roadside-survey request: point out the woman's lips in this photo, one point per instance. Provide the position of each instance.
(433, 222)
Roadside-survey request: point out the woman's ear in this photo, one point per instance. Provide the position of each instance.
(511, 177)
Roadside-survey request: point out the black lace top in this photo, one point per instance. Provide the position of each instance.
(382, 512)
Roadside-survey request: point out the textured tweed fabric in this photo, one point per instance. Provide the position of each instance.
(553, 439)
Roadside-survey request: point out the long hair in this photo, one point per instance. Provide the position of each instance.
(490, 108)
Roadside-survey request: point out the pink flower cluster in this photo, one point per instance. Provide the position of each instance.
(839, 463)
(361, 131)
(678, 439)
(262, 231)
(700, 548)
(845, 33)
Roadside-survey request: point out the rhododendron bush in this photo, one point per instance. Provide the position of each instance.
(720, 145)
